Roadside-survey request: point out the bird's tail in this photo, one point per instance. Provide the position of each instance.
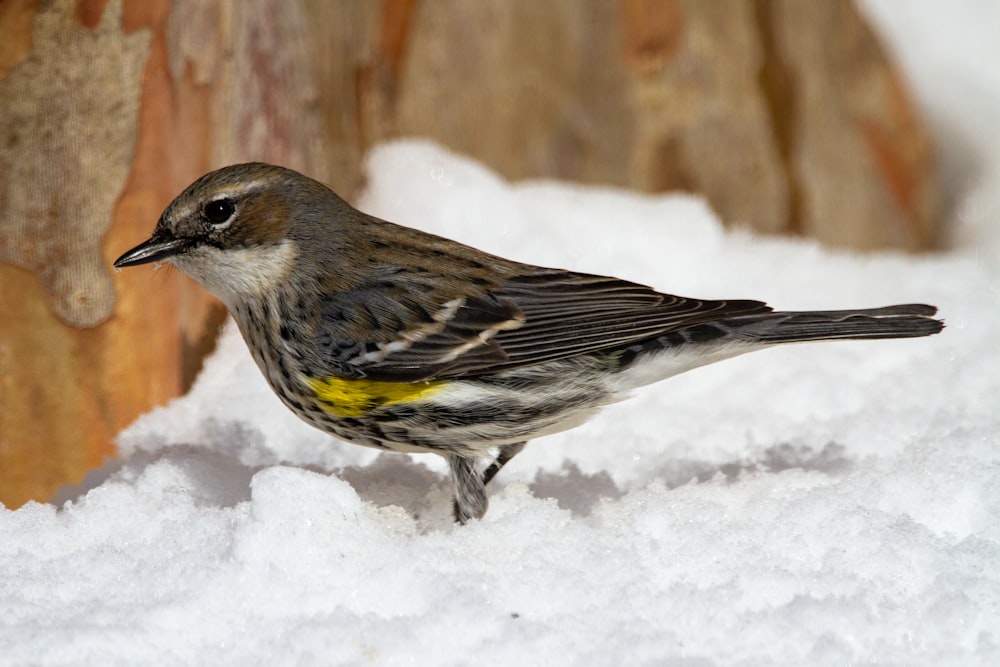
(721, 339)
(904, 321)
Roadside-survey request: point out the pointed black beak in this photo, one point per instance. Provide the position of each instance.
(156, 248)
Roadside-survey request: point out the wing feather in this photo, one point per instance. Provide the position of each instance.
(527, 319)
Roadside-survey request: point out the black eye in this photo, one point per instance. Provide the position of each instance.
(219, 211)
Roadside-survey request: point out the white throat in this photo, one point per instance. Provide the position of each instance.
(239, 274)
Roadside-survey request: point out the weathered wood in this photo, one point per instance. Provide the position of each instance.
(787, 115)
(66, 385)
(861, 160)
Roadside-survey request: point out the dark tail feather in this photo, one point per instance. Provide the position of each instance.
(904, 321)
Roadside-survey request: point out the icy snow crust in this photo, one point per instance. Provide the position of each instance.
(815, 504)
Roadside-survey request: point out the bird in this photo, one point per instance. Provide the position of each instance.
(393, 338)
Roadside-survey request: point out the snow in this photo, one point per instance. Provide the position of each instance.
(815, 504)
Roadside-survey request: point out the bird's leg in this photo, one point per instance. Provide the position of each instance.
(470, 500)
(470, 487)
(506, 453)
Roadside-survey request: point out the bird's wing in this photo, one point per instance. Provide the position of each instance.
(573, 313)
(525, 319)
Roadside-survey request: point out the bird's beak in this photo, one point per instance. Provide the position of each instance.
(156, 248)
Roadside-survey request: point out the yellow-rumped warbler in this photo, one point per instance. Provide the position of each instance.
(397, 339)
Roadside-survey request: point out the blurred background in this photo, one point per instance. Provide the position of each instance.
(788, 116)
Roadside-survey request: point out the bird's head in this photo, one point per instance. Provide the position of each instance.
(239, 230)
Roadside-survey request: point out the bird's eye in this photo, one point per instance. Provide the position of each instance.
(219, 211)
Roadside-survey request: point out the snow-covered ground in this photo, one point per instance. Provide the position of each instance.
(818, 504)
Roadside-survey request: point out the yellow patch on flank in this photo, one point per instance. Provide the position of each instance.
(353, 398)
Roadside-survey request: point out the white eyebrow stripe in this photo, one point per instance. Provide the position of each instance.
(236, 190)
(233, 191)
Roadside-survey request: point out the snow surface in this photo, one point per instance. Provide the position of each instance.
(817, 504)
